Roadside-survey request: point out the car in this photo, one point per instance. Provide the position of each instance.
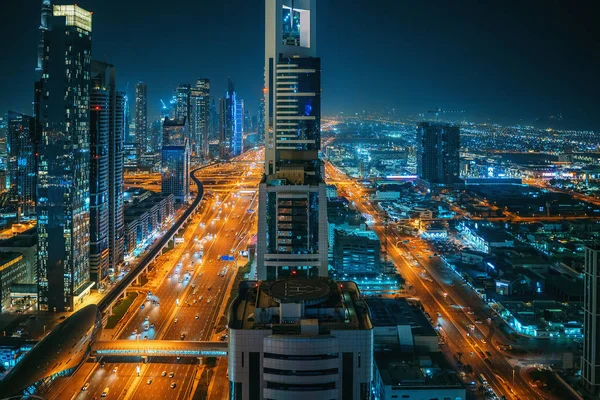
(182, 336)
(134, 332)
(147, 318)
(483, 341)
(115, 369)
(85, 387)
(145, 337)
(149, 381)
(439, 314)
(164, 373)
(169, 276)
(63, 317)
(208, 301)
(171, 374)
(105, 392)
(152, 325)
(146, 327)
(200, 298)
(173, 385)
(197, 316)
(180, 280)
(101, 364)
(471, 312)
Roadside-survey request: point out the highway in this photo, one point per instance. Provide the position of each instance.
(454, 318)
(188, 289)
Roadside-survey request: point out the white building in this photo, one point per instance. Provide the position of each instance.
(299, 339)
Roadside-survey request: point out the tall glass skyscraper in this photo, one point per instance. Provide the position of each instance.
(62, 112)
(141, 119)
(292, 216)
(107, 123)
(237, 140)
(21, 161)
(175, 160)
(199, 116)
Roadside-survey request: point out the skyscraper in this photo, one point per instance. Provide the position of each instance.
(237, 141)
(292, 213)
(223, 128)
(175, 160)
(260, 118)
(141, 118)
(199, 116)
(227, 110)
(106, 174)
(438, 148)
(63, 117)
(590, 361)
(182, 105)
(21, 161)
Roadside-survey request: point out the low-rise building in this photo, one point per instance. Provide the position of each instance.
(145, 217)
(356, 252)
(13, 269)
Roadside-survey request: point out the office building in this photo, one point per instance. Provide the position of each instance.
(260, 118)
(590, 361)
(182, 102)
(199, 116)
(24, 243)
(292, 216)
(299, 338)
(356, 252)
(174, 132)
(3, 142)
(227, 113)
(175, 160)
(237, 141)
(175, 171)
(62, 111)
(141, 118)
(21, 162)
(438, 148)
(107, 124)
(13, 269)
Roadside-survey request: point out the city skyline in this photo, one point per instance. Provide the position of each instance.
(502, 70)
(278, 252)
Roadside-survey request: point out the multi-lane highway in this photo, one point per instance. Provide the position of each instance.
(455, 315)
(185, 298)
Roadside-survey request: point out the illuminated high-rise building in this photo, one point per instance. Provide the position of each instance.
(175, 159)
(141, 119)
(62, 112)
(227, 110)
(237, 134)
(107, 129)
(182, 102)
(199, 116)
(292, 213)
(21, 162)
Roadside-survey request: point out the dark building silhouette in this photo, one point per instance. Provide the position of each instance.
(438, 151)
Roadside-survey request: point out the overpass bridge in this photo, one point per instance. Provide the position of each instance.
(107, 302)
(158, 348)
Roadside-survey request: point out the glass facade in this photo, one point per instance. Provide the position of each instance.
(107, 130)
(63, 167)
(438, 153)
(141, 118)
(199, 116)
(175, 171)
(21, 161)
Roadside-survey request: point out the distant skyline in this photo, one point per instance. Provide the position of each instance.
(511, 62)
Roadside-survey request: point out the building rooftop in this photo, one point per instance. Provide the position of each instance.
(285, 306)
(410, 371)
(394, 312)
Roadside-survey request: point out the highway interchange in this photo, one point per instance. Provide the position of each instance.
(188, 289)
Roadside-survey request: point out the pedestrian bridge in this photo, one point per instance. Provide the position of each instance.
(158, 348)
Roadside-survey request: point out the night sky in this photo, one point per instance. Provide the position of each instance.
(502, 61)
